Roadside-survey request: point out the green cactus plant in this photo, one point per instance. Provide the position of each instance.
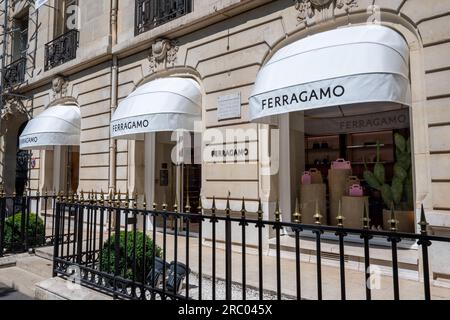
(400, 192)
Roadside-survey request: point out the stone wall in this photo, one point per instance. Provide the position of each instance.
(223, 44)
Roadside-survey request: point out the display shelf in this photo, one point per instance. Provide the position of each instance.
(362, 146)
(323, 149)
(361, 163)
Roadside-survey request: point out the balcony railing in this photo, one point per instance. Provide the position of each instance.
(14, 73)
(153, 13)
(61, 49)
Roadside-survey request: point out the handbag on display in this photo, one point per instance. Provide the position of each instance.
(306, 177)
(341, 164)
(356, 190)
(316, 176)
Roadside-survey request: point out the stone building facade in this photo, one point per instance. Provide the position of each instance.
(222, 45)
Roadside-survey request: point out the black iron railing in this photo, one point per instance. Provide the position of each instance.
(14, 73)
(152, 13)
(62, 49)
(26, 222)
(113, 250)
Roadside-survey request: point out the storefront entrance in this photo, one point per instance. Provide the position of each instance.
(159, 113)
(22, 165)
(176, 182)
(61, 169)
(54, 135)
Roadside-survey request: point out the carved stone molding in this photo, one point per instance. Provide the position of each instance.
(163, 53)
(307, 9)
(59, 87)
(346, 4)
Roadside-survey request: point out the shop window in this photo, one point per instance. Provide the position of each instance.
(375, 170)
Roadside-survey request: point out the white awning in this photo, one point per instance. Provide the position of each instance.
(56, 126)
(358, 64)
(166, 104)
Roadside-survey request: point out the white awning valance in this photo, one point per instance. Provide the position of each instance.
(167, 104)
(56, 126)
(358, 64)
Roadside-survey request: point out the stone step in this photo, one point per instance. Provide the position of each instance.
(21, 280)
(60, 289)
(37, 265)
(45, 253)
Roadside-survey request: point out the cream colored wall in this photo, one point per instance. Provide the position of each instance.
(228, 55)
(225, 53)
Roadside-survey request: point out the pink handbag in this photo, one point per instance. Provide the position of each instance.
(306, 177)
(341, 164)
(356, 191)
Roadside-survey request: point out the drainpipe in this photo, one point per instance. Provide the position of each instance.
(114, 85)
(4, 49)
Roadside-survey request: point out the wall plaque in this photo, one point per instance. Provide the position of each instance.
(229, 107)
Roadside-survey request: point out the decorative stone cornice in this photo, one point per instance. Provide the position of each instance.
(307, 9)
(163, 53)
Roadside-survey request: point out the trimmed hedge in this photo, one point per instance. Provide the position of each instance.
(35, 231)
(107, 259)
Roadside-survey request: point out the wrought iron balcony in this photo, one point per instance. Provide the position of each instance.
(153, 13)
(62, 49)
(14, 73)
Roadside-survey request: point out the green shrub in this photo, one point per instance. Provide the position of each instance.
(108, 265)
(35, 231)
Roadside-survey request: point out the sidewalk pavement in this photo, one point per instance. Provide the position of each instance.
(7, 293)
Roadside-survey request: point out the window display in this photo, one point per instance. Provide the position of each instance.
(371, 169)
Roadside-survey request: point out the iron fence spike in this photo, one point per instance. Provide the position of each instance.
(213, 207)
(365, 219)
(144, 203)
(200, 205)
(227, 208)
(187, 207)
(260, 210)
(135, 201)
(297, 214)
(277, 211)
(423, 220)
(393, 221)
(340, 218)
(243, 209)
(317, 215)
(175, 206)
